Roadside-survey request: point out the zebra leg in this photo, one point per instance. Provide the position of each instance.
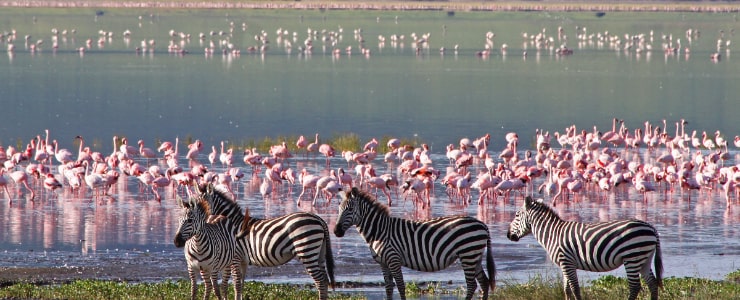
(652, 283)
(633, 277)
(207, 284)
(237, 273)
(474, 270)
(395, 273)
(225, 283)
(570, 282)
(193, 284)
(214, 284)
(315, 265)
(388, 278)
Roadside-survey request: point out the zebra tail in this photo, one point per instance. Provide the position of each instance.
(329, 260)
(658, 264)
(491, 266)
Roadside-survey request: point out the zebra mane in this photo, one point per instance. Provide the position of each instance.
(221, 203)
(365, 197)
(203, 205)
(539, 206)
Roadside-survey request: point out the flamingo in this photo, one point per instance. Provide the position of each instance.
(157, 183)
(212, 155)
(129, 151)
(308, 182)
(146, 153)
(313, 147)
(252, 158)
(63, 156)
(301, 143)
(21, 177)
(51, 183)
(4, 182)
(93, 180)
(393, 144)
(265, 188)
(328, 151)
(371, 145)
(41, 155)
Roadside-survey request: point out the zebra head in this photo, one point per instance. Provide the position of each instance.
(520, 226)
(194, 216)
(347, 216)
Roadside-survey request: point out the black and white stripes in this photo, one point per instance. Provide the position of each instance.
(597, 247)
(430, 245)
(273, 242)
(209, 246)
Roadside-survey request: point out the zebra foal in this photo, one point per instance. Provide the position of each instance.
(429, 245)
(597, 247)
(209, 247)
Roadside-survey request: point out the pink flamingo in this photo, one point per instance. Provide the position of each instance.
(51, 183)
(328, 151)
(157, 183)
(212, 155)
(301, 143)
(313, 147)
(63, 156)
(344, 178)
(94, 181)
(4, 182)
(253, 159)
(129, 151)
(265, 188)
(146, 153)
(393, 144)
(308, 182)
(21, 177)
(193, 152)
(371, 145)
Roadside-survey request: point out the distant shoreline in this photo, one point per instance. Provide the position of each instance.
(657, 6)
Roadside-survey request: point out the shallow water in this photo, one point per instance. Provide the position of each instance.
(699, 236)
(434, 98)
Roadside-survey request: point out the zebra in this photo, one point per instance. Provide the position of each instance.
(209, 247)
(274, 242)
(428, 246)
(597, 247)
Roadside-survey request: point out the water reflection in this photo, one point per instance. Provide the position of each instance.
(132, 220)
(403, 89)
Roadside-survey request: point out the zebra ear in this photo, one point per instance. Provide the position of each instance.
(343, 195)
(529, 202)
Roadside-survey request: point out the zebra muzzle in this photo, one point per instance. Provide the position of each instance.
(179, 241)
(338, 231)
(512, 237)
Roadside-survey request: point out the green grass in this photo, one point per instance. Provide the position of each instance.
(606, 287)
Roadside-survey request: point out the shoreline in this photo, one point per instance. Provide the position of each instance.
(657, 6)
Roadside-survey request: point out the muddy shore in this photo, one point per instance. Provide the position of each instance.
(637, 6)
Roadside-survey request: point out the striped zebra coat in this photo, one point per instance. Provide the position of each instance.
(430, 245)
(275, 241)
(597, 247)
(209, 246)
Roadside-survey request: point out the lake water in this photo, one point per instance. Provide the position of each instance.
(395, 91)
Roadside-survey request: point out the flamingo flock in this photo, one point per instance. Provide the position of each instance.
(577, 165)
(331, 41)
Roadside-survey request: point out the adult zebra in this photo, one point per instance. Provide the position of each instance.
(597, 247)
(209, 247)
(429, 245)
(273, 242)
